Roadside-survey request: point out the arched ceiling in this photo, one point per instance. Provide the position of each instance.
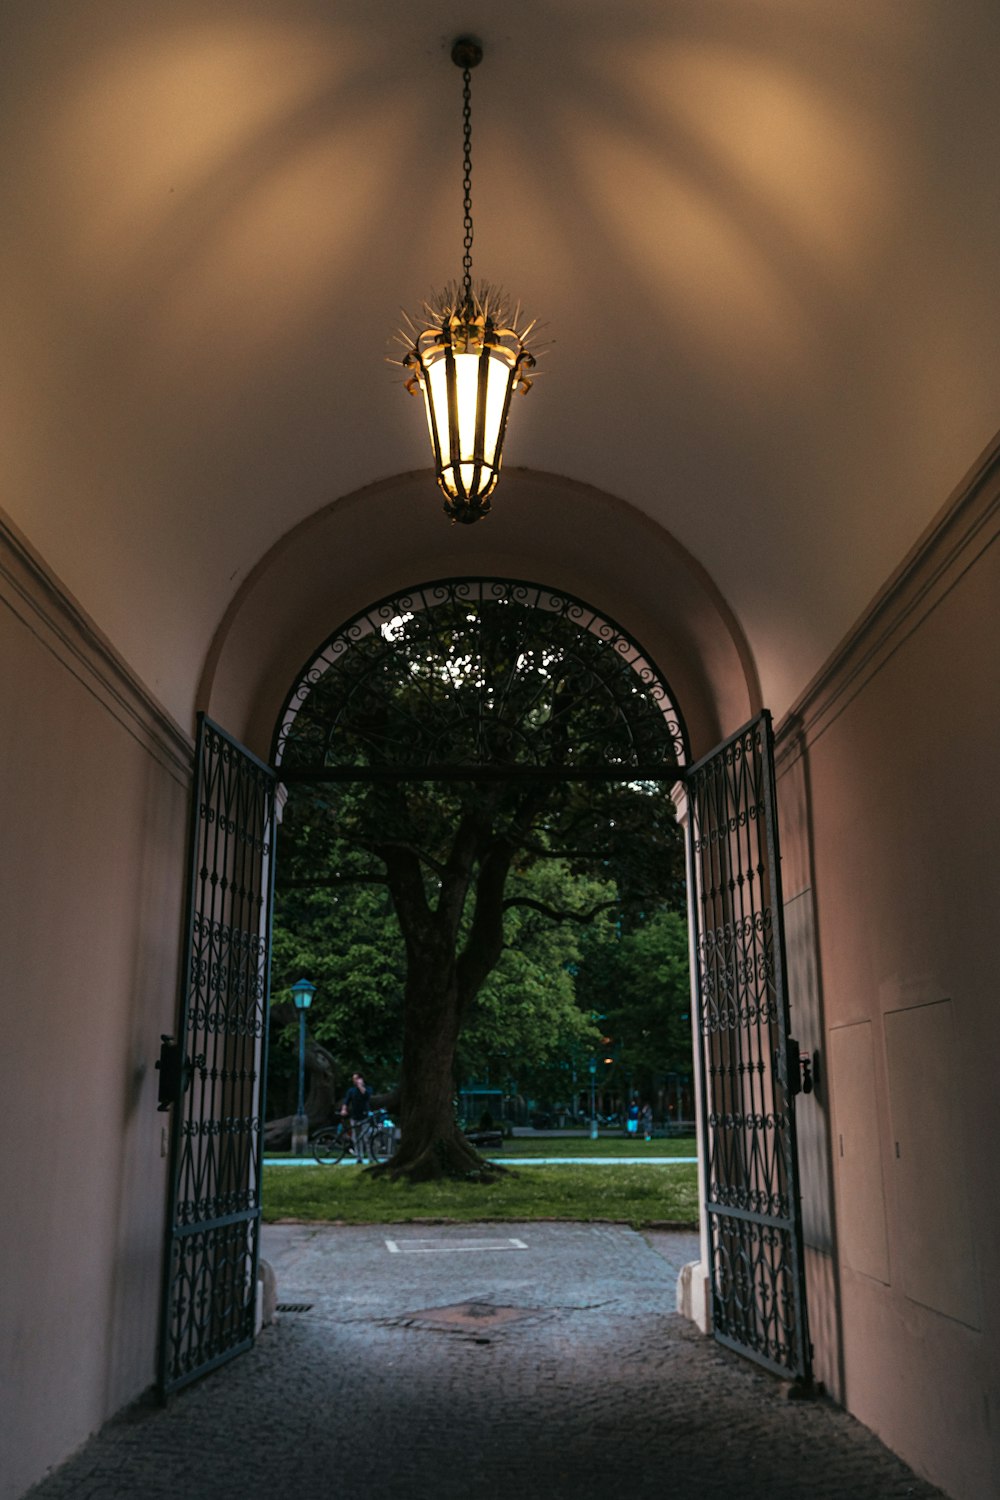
(568, 536)
(763, 239)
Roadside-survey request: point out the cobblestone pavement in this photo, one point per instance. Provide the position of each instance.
(446, 1361)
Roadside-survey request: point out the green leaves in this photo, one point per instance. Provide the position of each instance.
(639, 982)
(347, 941)
(526, 1015)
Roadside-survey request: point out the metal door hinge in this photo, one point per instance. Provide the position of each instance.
(173, 1071)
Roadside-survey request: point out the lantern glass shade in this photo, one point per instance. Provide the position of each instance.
(302, 993)
(466, 397)
(467, 367)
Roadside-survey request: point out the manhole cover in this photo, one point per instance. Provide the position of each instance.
(477, 1317)
(475, 1314)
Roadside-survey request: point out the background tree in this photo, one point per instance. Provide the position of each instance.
(635, 978)
(345, 939)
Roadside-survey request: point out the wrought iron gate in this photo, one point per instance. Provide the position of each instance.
(749, 1066)
(212, 1074)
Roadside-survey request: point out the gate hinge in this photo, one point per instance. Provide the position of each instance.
(174, 1075)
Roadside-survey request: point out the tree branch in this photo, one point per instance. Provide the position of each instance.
(406, 884)
(545, 851)
(485, 940)
(382, 849)
(457, 874)
(557, 914)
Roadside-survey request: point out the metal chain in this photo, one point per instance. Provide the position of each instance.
(467, 184)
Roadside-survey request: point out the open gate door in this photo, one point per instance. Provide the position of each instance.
(212, 1075)
(748, 1065)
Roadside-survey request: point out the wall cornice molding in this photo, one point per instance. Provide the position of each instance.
(964, 529)
(32, 592)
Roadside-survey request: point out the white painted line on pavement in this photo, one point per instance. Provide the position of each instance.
(431, 1247)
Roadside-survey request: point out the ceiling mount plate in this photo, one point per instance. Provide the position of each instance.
(466, 52)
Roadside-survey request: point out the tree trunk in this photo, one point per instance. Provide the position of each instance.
(440, 984)
(431, 1144)
(320, 1099)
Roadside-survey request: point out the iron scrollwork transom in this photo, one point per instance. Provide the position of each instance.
(480, 675)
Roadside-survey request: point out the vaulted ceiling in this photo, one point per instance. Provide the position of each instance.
(763, 236)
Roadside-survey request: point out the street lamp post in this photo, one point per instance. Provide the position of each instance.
(302, 993)
(593, 1098)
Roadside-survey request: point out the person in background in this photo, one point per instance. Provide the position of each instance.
(357, 1106)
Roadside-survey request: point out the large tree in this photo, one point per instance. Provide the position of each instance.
(507, 707)
(347, 939)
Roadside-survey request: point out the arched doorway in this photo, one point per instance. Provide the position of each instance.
(548, 689)
(475, 720)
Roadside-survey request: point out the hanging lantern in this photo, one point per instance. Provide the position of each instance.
(467, 363)
(467, 357)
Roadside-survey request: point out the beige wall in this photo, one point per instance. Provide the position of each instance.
(892, 913)
(94, 828)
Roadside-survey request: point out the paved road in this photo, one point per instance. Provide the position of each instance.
(483, 1362)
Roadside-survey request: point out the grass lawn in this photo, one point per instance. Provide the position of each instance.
(561, 1145)
(634, 1195)
(605, 1145)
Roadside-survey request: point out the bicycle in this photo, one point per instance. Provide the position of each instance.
(335, 1142)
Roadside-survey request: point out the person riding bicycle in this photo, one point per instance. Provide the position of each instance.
(356, 1108)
